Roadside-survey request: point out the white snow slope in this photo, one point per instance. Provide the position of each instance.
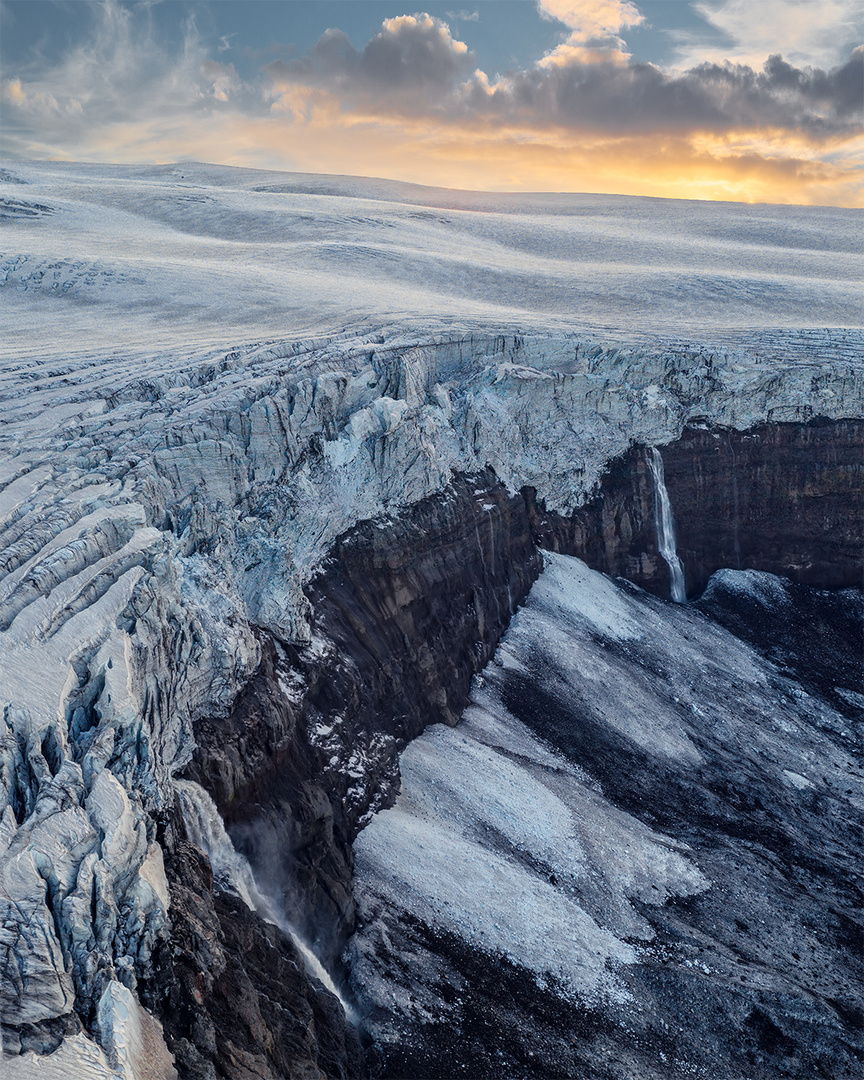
(139, 255)
(178, 450)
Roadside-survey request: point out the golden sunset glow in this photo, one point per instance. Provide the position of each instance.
(413, 104)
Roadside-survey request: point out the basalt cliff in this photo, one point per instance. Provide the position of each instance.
(238, 587)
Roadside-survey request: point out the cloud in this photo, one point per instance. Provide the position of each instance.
(222, 79)
(803, 31)
(412, 61)
(414, 67)
(590, 20)
(595, 27)
(463, 16)
(11, 91)
(118, 74)
(411, 103)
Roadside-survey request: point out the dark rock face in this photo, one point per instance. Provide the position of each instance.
(265, 775)
(509, 1027)
(405, 612)
(777, 498)
(787, 956)
(811, 635)
(233, 995)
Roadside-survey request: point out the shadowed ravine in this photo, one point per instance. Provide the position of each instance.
(404, 613)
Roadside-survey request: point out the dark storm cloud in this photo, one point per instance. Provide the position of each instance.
(713, 97)
(412, 60)
(414, 66)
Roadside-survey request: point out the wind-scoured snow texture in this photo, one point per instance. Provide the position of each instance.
(101, 255)
(439, 853)
(636, 855)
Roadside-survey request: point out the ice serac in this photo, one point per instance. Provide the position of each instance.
(165, 521)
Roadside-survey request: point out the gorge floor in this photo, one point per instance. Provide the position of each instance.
(635, 856)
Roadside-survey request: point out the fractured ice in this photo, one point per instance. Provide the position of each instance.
(166, 492)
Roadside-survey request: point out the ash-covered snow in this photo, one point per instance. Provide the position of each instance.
(499, 840)
(520, 841)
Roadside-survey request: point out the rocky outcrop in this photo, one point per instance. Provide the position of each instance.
(776, 497)
(404, 612)
(812, 635)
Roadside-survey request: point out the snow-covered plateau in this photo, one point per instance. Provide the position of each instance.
(208, 377)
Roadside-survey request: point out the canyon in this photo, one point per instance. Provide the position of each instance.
(389, 603)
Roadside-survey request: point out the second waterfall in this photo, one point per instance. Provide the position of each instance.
(666, 527)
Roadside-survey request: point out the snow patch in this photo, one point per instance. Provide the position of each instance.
(500, 840)
(797, 780)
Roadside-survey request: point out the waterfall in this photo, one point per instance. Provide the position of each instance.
(232, 873)
(736, 513)
(666, 526)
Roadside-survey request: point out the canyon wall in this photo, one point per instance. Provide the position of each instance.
(404, 612)
(786, 498)
(409, 606)
(232, 992)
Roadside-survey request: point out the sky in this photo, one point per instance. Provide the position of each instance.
(745, 100)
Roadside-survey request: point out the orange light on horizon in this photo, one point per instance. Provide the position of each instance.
(742, 166)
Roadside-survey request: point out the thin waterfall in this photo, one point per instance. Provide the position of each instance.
(666, 527)
(736, 540)
(232, 873)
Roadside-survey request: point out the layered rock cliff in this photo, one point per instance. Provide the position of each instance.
(163, 536)
(232, 992)
(774, 497)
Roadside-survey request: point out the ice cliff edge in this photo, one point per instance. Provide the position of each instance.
(154, 516)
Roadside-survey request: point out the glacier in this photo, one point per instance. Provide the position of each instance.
(207, 377)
